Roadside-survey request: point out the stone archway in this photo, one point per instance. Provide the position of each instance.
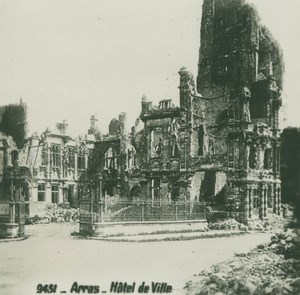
(135, 192)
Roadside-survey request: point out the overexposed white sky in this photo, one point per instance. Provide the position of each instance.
(69, 59)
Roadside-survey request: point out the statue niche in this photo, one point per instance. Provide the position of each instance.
(245, 100)
(156, 143)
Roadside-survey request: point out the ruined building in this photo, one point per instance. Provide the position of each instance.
(240, 79)
(220, 146)
(14, 174)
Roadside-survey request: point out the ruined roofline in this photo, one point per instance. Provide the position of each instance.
(231, 32)
(165, 108)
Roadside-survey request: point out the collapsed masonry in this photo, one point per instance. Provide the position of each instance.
(220, 147)
(240, 75)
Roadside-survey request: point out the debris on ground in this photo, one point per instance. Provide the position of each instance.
(274, 222)
(269, 269)
(56, 213)
(227, 224)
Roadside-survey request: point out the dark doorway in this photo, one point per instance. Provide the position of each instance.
(71, 196)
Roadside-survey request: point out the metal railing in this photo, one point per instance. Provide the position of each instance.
(126, 211)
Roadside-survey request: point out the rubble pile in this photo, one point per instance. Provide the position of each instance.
(288, 211)
(59, 214)
(272, 269)
(275, 222)
(227, 224)
(55, 213)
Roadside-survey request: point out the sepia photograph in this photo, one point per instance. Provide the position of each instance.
(149, 147)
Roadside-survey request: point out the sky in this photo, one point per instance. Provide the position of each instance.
(70, 59)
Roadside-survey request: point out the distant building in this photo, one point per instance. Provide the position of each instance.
(57, 161)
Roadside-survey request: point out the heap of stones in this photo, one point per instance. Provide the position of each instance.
(269, 269)
(55, 213)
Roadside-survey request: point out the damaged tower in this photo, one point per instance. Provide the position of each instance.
(220, 147)
(240, 80)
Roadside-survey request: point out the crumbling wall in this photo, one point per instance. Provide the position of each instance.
(13, 122)
(196, 183)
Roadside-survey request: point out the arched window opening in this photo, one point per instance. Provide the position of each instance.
(200, 140)
(14, 157)
(252, 157)
(110, 159)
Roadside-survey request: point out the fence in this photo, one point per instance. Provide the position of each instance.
(12, 214)
(124, 211)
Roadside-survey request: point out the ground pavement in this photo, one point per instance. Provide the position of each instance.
(51, 256)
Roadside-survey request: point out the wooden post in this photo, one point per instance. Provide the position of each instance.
(176, 211)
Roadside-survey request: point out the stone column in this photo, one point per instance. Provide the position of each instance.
(275, 208)
(270, 196)
(265, 197)
(279, 199)
(11, 191)
(12, 212)
(249, 190)
(247, 153)
(278, 161)
(261, 202)
(247, 204)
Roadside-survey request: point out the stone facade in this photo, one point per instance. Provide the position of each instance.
(220, 147)
(240, 77)
(14, 174)
(56, 161)
(110, 161)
